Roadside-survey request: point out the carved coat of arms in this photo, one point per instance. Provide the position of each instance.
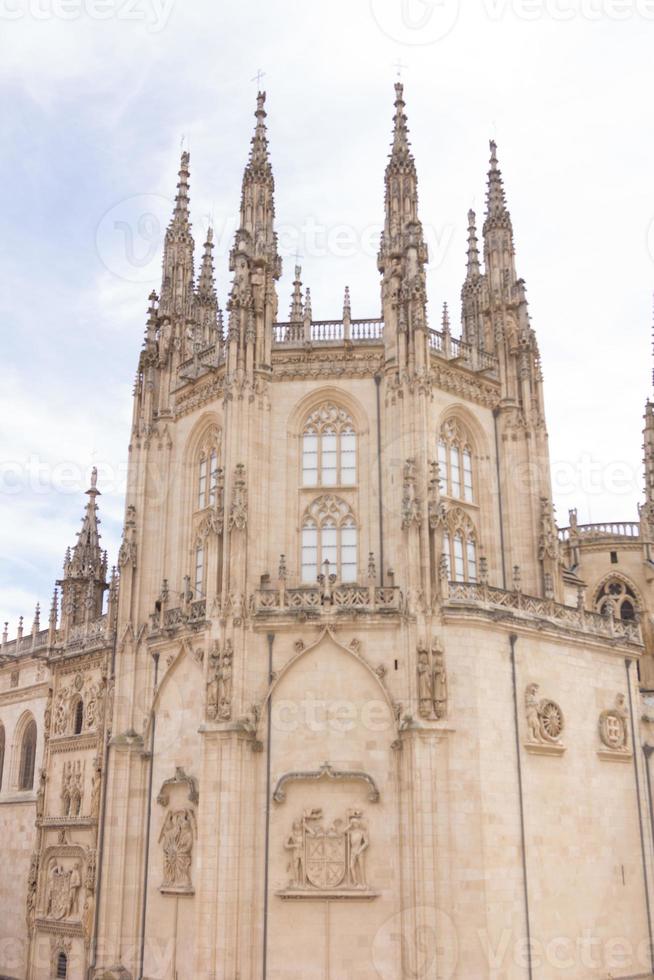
(325, 858)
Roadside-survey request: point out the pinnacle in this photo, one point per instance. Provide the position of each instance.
(497, 214)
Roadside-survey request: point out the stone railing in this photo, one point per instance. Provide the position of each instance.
(620, 529)
(193, 614)
(464, 593)
(313, 599)
(452, 349)
(29, 643)
(328, 332)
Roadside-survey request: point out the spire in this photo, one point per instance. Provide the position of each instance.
(206, 279)
(87, 556)
(259, 164)
(180, 222)
(85, 569)
(347, 306)
(497, 214)
(401, 227)
(307, 305)
(177, 280)
(401, 153)
(446, 319)
(474, 269)
(296, 299)
(648, 447)
(257, 197)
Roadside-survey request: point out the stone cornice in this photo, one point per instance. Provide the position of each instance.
(16, 695)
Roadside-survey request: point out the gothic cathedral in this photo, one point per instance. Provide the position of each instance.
(350, 705)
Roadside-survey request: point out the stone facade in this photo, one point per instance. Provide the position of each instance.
(351, 705)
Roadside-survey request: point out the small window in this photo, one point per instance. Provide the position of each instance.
(202, 484)
(62, 966)
(199, 571)
(614, 558)
(27, 757)
(78, 717)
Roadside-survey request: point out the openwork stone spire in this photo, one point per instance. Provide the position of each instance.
(402, 227)
(177, 281)
(206, 279)
(497, 214)
(474, 267)
(85, 569)
(86, 559)
(296, 299)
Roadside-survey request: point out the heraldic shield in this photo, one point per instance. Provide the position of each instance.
(326, 856)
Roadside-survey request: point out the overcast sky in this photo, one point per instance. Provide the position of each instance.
(96, 96)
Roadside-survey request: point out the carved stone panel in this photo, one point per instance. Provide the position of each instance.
(327, 861)
(432, 681)
(545, 723)
(614, 731)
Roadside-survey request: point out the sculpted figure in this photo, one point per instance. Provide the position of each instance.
(74, 885)
(295, 844)
(425, 689)
(439, 679)
(358, 843)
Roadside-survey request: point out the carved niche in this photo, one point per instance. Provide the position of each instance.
(72, 788)
(410, 502)
(178, 834)
(63, 886)
(238, 516)
(614, 731)
(545, 723)
(219, 682)
(432, 680)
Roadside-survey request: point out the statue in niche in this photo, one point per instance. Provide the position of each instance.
(72, 789)
(295, 844)
(74, 885)
(61, 712)
(219, 686)
(358, 843)
(432, 680)
(177, 835)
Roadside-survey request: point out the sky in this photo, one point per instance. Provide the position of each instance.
(96, 97)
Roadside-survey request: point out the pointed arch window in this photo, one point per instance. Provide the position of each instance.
(455, 461)
(207, 473)
(621, 596)
(2, 752)
(78, 716)
(329, 533)
(460, 549)
(62, 967)
(27, 757)
(329, 448)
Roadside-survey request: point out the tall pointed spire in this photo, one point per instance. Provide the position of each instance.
(85, 569)
(497, 213)
(403, 254)
(177, 280)
(206, 279)
(647, 512)
(474, 268)
(296, 299)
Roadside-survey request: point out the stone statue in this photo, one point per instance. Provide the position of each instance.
(357, 845)
(439, 675)
(74, 885)
(425, 686)
(295, 844)
(177, 835)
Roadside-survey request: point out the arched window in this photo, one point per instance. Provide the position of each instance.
(329, 533)
(62, 967)
(617, 592)
(2, 752)
(455, 461)
(207, 471)
(27, 757)
(329, 448)
(460, 547)
(78, 716)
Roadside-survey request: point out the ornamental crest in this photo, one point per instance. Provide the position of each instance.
(613, 726)
(327, 859)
